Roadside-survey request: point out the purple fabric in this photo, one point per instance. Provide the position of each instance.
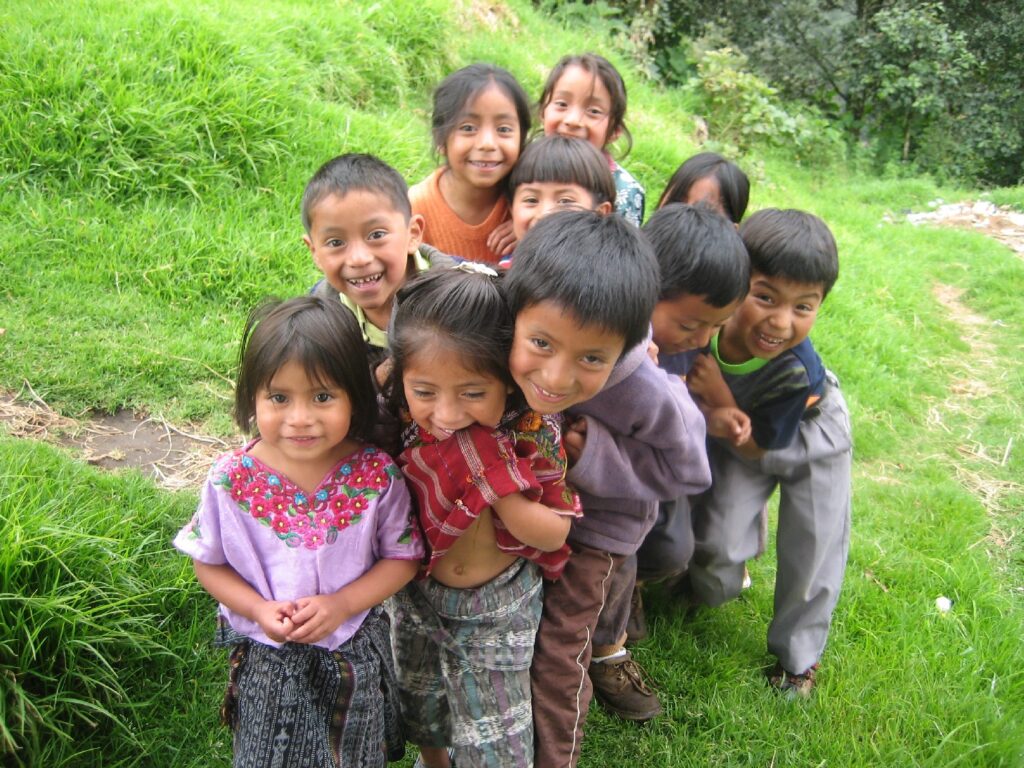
(288, 545)
(645, 443)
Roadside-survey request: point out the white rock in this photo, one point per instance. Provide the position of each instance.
(943, 604)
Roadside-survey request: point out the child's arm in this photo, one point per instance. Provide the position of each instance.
(658, 455)
(725, 419)
(502, 240)
(318, 616)
(234, 592)
(532, 523)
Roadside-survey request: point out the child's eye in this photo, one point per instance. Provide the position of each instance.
(560, 103)
(377, 234)
(804, 308)
(568, 201)
(528, 200)
(466, 128)
(473, 395)
(322, 397)
(764, 297)
(592, 360)
(422, 394)
(508, 130)
(277, 398)
(335, 242)
(687, 328)
(540, 344)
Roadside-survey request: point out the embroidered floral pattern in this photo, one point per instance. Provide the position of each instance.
(339, 501)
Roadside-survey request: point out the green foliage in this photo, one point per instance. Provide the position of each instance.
(99, 614)
(745, 113)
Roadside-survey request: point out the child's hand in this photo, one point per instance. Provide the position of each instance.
(730, 424)
(705, 381)
(652, 352)
(383, 371)
(316, 617)
(575, 439)
(502, 240)
(275, 618)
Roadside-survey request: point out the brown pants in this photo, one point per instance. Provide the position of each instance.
(561, 655)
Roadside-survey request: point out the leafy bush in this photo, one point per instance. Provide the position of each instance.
(744, 111)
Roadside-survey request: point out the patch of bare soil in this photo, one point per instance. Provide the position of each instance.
(1000, 222)
(976, 385)
(175, 458)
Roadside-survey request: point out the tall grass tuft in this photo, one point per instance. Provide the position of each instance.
(93, 606)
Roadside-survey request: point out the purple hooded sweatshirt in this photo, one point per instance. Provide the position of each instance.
(645, 444)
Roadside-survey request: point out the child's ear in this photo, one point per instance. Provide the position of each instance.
(614, 136)
(604, 208)
(312, 251)
(416, 224)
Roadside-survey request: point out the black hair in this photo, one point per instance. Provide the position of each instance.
(566, 160)
(598, 67)
(455, 92)
(599, 268)
(699, 253)
(351, 172)
(733, 184)
(461, 308)
(791, 244)
(320, 334)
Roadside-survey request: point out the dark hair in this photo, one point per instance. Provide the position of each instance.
(600, 67)
(566, 160)
(354, 171)
(733, 184)
(599, 268)
(323, 335)
(461, 308)
(457, 90)
(791, 244)
(699, 253)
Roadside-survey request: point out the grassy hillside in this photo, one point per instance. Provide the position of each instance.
(152, 157)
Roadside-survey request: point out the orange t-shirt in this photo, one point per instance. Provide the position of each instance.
(443, 228)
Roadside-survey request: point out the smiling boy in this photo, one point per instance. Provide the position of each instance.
(763, 363)
(364, 238)
(582, 288)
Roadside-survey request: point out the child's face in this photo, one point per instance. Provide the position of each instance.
(532, 202)
(580, 106)
(443, 395)
(708, 191)
(776, 316)
(557, 362)
(688, 322)
(302, 421)
(362, 245)
(484, 145)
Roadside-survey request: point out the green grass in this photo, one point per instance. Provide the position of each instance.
(152, 157)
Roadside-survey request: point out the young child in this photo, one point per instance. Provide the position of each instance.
(557, 173)
(479, 125)
(582, 288)
(489, 479)
(705, 274)
(711, 179)
(364, 238)
(300, 535)
(585, 97)
(764, 364)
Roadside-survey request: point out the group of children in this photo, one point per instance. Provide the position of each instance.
(523, 407)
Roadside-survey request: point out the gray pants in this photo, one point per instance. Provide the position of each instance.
(813, 537)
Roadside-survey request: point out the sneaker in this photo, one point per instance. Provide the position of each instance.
(636, 626)
(620, 684)
(794, 686)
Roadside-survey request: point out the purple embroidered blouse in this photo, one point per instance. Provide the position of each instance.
(289, 545)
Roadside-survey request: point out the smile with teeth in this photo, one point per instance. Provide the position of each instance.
(484, 164)
(368, 280)
(772, 341)
(546, 394)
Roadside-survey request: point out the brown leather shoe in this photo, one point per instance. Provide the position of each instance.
(621, 686)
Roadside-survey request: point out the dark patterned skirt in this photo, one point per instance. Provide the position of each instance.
(303, 706)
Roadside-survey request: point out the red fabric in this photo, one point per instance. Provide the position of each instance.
(454, 480)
